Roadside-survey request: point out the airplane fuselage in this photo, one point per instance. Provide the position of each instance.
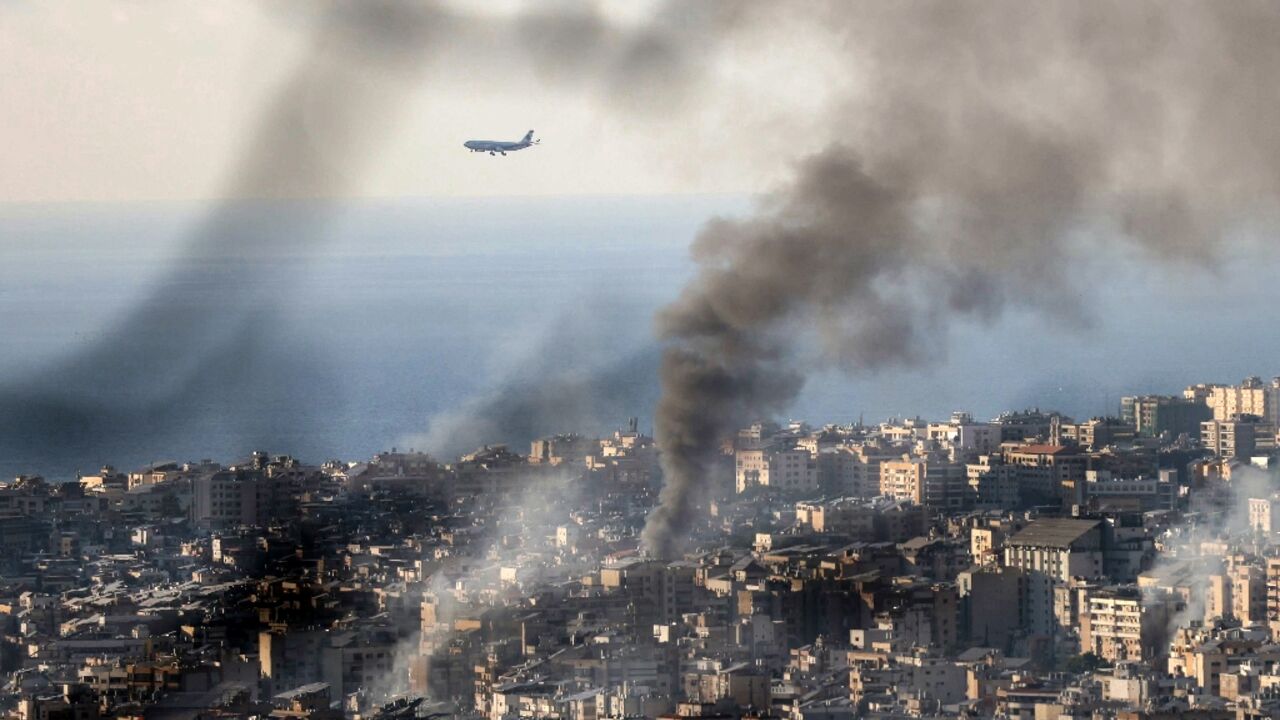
(494, 147)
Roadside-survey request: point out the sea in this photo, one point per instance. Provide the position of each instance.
(395, 323)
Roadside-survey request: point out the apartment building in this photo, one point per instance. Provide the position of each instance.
(933, 481)
(1118, 624)
(1250, 397)
(1157, 415)
(787, 468)
(1241, 437)
(1061, 548)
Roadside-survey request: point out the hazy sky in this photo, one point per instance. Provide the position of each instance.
(124, 101)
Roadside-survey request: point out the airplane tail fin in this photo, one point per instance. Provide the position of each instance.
(528, 137)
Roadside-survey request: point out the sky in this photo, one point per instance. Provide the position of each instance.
(123, 101)
(1079, 180)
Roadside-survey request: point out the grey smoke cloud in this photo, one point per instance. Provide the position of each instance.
(179, 354)
(178, 358)
(558, 392)
(983, 148)
(651, 69)
(1224, 517)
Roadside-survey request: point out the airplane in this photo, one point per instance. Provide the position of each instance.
(496, 147)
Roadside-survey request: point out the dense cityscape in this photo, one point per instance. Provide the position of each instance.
(1031, 566)
(829, 360)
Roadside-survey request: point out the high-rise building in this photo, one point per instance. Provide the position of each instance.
(1250, 397)
(1155, 415)
(1264, 515)
(1046, 473)
(1061, 548)
(1096, 433)
(1248, 593)
(225, 498)
(934, 482)
(1241, 437)
(852, 470)
(1120, 624)
(782, 468)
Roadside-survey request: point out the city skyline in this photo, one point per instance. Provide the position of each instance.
(826, 360)
(945, 568)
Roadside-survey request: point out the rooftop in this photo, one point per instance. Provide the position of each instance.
(1043, 449)
(1053, 532)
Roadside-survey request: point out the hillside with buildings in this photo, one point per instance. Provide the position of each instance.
(1028, 566)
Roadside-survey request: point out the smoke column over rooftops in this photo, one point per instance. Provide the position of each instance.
(984, 146)
(558, 393)
(1222, 514)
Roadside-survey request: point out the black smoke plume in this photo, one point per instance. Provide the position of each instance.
(984, 149)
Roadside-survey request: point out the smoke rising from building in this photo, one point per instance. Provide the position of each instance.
(983, 148)
(557, 392)
(1221, 514)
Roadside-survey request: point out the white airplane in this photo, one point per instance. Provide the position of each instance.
(499, 147)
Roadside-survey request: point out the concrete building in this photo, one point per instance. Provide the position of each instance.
(965, 436)
(1217, 598)
(566, 448)
(1118, 625)
(847, 516)
(993, 484)
(1097, 433)
(1272, 569)
(986, 540)
(742, 685)
(1061, 548)
(243, 495)
(347, 659)
(1242, 436)
(1045, 473)
(921, 613)
(491, 471)
(1250, 397)
(993, 606)
(1264, 515)
(1052, 552)
(659, 591)
(1248, 593)
(413, 472)
(789, 469)
(1142, 494)
(156, 474)
(852, 470)
(225, 498)
(1158, 415)
(933, 482)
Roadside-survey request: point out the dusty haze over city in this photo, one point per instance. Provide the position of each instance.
(116, 142)
(819, 360)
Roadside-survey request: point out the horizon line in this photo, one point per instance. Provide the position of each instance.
(372, 199)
